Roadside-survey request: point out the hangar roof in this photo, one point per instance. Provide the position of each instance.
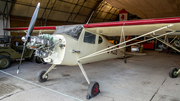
(71, 11)
(79, 11)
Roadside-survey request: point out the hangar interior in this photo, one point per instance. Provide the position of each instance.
(142, 78)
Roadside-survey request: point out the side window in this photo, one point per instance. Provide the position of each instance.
(100, 40)
(89, 38)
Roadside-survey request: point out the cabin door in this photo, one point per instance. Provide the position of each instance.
(88, 44)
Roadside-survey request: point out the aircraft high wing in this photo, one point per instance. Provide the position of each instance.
(85, 43)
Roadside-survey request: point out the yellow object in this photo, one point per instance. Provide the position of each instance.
(111, 41)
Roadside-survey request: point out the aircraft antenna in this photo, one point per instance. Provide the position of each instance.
(90, 17)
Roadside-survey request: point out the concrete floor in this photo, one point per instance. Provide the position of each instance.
(142, 78)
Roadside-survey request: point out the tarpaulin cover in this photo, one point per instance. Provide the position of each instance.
(71, 30)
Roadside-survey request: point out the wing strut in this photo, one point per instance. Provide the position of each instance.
(110, 48)
(127, 45)
(122, 39)
(173, 39)
(122, 36)
(166, 43)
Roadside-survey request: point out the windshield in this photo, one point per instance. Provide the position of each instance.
(71, 30)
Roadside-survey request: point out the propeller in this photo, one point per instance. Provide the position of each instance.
(26, 39)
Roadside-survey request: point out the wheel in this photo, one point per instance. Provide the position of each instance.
(93, 90)
(37, 59)
(5, 62)
(40, 76)
(173, 72)
(124, 60)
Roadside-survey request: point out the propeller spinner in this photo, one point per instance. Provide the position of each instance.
(29, 32)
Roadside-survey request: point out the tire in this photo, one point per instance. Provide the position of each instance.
(40, 76)
(37, 59)
(5, 62)
(172, 72)
(93, 90)
(125, 60)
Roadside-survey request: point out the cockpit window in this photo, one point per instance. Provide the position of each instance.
(100, 40)
(89, 38)
(71, 30)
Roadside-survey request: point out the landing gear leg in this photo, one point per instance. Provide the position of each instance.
(173, 73)
(93, 88)
(43, 75)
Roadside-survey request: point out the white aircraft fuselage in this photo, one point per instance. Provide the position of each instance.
(67, 49)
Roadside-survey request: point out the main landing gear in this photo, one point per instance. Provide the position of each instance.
(93, 88)
(43, 75)
(173, 73)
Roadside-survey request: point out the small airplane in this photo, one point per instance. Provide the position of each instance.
(86, 43)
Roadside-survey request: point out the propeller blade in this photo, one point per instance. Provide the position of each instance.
(29, 32)
(21, 57)
(33, 20)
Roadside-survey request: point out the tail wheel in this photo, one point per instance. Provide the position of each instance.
(125, 60)
(93, 90)
(41, 77)
(173, 72)
(5, 62)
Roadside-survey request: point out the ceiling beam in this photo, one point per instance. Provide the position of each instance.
(49, 8)
(45, 9)
(72, 11)
(78, 12)
(107, 14)
(113, 14)
(12, 4)
(99, 11)
(27, 20)
(49, 13)
(98, 2)
(44, 12)
(75, 4)
(5, 7)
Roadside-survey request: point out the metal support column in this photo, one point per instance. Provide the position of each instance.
(6, 19)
